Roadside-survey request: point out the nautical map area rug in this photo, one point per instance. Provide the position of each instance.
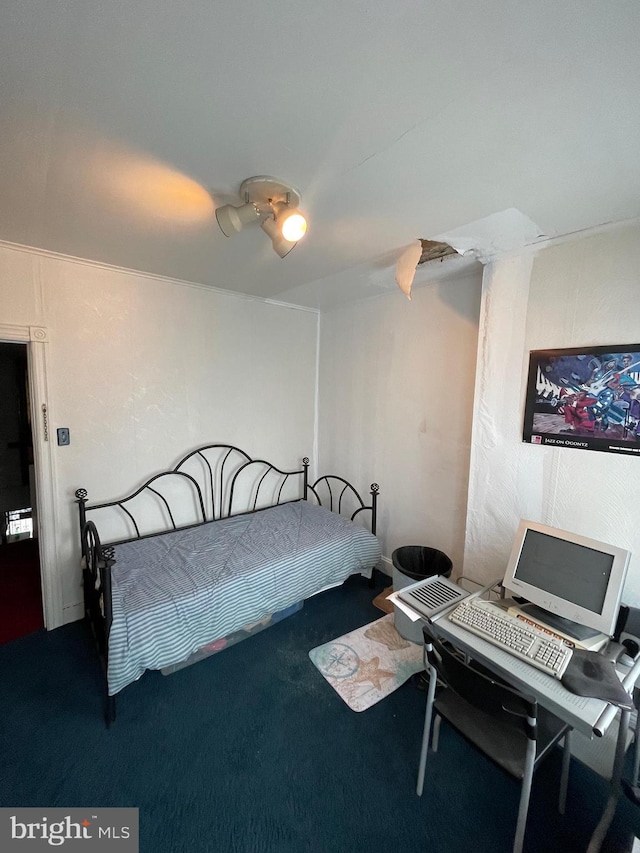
(368, 664)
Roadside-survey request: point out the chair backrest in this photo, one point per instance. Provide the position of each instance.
(627, 629)
(478, 688)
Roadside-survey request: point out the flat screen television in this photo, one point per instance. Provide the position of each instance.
(567, 575)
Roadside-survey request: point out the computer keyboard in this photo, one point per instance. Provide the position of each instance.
(509, 632)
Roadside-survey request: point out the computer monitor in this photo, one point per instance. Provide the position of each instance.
(568, 575)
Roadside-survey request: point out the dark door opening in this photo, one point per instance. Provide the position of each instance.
(20, 587)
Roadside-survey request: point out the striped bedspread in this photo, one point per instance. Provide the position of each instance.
(175, 592)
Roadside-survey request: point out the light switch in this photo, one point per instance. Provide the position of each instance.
(63, 436)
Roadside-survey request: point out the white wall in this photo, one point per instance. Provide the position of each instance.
(143, 369)
(395, 404)
(576, 293)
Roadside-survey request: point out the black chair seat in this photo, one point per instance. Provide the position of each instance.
(506, 747)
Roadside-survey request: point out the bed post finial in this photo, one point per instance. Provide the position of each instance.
(375, 488)
(305, 477)
(108, 553)
(81, 496)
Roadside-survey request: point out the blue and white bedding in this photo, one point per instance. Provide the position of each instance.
(175, 592)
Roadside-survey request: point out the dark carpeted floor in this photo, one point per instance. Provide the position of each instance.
(251, 751)
(20, 595)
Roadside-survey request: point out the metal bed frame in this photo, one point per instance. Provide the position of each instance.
(219, 488)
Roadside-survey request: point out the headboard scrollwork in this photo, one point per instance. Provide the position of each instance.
(339, 495)
(209, 483)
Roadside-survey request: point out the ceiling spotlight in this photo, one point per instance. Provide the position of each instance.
(271, 202)
(280, 245)
(233, 219)
(292, 224)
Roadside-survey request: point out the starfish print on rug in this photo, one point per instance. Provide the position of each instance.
(369, 670)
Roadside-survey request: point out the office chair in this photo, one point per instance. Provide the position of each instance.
(505, 725)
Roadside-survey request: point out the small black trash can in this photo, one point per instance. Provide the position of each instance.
(413, 563)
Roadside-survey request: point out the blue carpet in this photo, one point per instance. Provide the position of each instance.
(251, 751)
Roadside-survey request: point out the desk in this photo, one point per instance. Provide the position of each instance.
(589, 716)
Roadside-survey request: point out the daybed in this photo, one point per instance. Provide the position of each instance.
(198, 552)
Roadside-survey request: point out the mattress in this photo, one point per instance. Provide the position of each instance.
(178, 591)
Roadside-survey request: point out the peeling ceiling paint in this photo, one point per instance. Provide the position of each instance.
(125, 124)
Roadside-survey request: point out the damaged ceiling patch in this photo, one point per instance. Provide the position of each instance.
(433, 250)
(484, 239)
(419, 252)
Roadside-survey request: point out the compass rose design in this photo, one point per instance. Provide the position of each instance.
(336, 660)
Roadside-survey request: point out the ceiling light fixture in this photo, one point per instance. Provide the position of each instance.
(272, 202)
(233, 219)
(279, 243)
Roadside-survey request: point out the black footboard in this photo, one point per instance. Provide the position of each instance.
(338, 492)
(340, 496)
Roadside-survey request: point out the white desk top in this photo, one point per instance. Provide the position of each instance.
(589, 716)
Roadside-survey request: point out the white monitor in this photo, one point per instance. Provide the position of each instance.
(568, 575)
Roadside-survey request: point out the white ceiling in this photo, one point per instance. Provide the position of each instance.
(120, 120)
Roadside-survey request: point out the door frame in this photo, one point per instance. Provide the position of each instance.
(36, 338)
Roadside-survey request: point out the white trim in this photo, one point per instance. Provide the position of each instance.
(316, 401)
(73, 612)
(14, 334)
(387, 566)
(57, 256)
(36, 338)
(38, 334)
(569, 237)
(277, 302)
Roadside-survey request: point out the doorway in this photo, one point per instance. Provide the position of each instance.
(20, 572)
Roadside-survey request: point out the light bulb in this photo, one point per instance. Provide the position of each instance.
(294, 227)
(281, 246)
(291, 222)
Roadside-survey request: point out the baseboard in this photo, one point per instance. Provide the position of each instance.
(72, 612)
(385, 566)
